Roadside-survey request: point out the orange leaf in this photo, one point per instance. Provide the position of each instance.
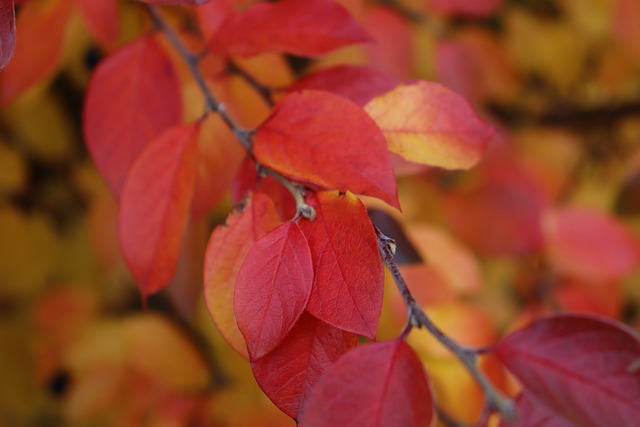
(154, 207)
(427, 123)
(319, 138)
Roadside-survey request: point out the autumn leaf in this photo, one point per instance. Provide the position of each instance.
(226, 250)
(287, 374)
(378, 384)
(578, 366)
(298, 27)
(7, 31)
(41, 28)
(349, 277)
(323, 139)
(427, 123)
(154, 207)
(359, 84)
(272, 288)
(132, 97)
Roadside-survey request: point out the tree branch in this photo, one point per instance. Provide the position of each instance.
(418, 318)
(244, 136)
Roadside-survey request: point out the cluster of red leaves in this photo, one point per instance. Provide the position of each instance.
(293, 294)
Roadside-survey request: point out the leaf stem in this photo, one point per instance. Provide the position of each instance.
(265, 92)
(495, 400)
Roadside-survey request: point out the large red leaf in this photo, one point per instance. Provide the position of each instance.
(427, 123)
(377, 385)
(319, 138)
(589, 245)
(287, 374)
(272, 288)
(41, 28)
(132, 97)
(154, 206)
(579, 366)
(349, 277)
(102, 19)
(7, 31)
(226, 250)
(532, 413)
(358, 83)
(298, 27)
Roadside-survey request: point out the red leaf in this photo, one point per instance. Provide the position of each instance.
(357, 83)
(287, 374)
(579, 366)
(226, 250)
(7, 31)
(377, 385)
(41, 28)
(102, 19)
(273, 288)
(154, 206)
(589, 245)
(319, 138)
(532, 413)
(133, 96)
(298, 27)
(349, 277)
(427, 123)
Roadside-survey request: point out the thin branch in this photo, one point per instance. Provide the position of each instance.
(192, 61)
(244, 136)
(495, 400)
(265, 92)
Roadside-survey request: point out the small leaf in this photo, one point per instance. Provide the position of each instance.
(298, 27)
(377, 385)
(349, 276)
(589, 245)
(287, 374)
(7, 31)
(323, 139)
(427, 123)
(359, 84)
(532, 413)
(273, 288)
(226, 251)
(154, 207)
(578, 365)
(41, 28)
(132, 97)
